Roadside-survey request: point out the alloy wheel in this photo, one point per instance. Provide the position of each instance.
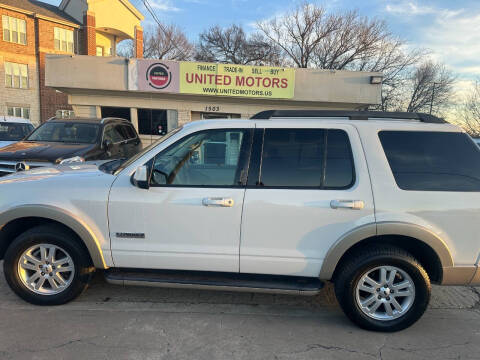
(46, 269)
(385, 293)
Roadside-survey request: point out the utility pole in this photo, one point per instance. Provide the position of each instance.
(433, 95)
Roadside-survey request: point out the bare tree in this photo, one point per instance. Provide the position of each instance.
(430, 88)
(360, 44)
(355, 38)
(300, 32)
(231, 45)
(167, 42)
(395, 63)
(469, 112)
(126, 48)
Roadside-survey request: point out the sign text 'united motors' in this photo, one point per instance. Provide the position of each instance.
(216, 79)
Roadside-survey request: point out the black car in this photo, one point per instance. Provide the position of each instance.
(60, 141)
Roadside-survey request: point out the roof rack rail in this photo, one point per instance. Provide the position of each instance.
(352, 115)
(111, 118)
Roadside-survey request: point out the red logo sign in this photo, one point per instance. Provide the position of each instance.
(159, 76)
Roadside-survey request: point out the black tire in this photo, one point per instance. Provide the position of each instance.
(62, 238)
(351, 271)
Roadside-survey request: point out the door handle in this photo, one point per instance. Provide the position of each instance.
(218, 201)
(347, 204)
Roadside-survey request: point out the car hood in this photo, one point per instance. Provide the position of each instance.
(6, 143)
(43, 173)
(42, 151)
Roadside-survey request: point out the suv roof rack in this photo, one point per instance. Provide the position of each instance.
(352, 115)
(109, 119)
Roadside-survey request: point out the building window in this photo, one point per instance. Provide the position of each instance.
(152, 122)
(14, 30)
(64, 114)
(16, 75)
(21, 112)
(63, 39)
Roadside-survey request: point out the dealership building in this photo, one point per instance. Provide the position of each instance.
(159, 95)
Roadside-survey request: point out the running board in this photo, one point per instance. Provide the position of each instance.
(215, 281)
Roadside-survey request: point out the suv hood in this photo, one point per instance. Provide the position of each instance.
(43, 173)
(42, 151)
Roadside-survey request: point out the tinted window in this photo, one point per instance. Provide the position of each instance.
(207, 158)
(292, 157)
(113, 134)
(128, 132)
(339, 169)
(436, 161)
(66, 132)
(306, 158)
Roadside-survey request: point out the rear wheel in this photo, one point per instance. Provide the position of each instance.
(382, 288)
(47, 266)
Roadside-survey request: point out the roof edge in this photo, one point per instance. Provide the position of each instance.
(352, 115)
(40, 16)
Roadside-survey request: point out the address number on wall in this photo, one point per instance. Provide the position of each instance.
(212, 108)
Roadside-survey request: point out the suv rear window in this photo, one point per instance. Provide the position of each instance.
(306, 158)
(432, 161)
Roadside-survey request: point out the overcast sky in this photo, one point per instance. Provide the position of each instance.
(449, 28)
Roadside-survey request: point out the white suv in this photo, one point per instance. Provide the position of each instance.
(382, 204)
(13, 129)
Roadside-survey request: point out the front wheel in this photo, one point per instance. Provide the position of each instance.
(47, 266)
(383, 288)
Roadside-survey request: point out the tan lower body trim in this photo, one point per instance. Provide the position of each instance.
(458, 275)
(476, 278)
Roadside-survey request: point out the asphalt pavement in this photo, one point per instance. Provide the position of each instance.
(115, 322)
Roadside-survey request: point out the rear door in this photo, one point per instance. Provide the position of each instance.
(307, 187)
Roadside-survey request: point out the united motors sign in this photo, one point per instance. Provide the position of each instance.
(211, 79)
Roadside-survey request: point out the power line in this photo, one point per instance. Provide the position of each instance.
(149, 8)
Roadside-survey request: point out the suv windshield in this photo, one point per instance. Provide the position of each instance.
(66, 132)
(14, 131)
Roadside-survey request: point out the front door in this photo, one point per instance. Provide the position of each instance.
(113, 136)
(189, 218)
(306, 189)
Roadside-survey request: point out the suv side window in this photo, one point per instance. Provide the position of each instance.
(128, 132)
(206, 158)
(113, 134)
(432, 161)
(306, 158)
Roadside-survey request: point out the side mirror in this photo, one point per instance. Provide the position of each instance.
(140, 178)
(107, 144)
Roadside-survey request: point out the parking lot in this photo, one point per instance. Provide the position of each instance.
(112, 322)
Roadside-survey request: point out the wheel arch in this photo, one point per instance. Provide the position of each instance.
(31, 215)
(426, 246)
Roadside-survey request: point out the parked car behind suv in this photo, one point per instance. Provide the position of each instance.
(13, 129)
(60, 141)
(374, 202)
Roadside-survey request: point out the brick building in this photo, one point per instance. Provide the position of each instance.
(31, 29)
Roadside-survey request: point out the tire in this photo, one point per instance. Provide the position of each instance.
(29, 245)
(351, 281)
